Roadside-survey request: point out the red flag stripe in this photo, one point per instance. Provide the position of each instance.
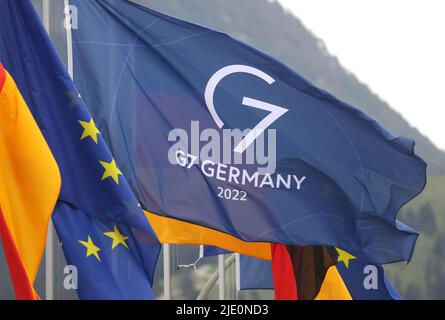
(284, 280)
(19, 276)
(2, 77)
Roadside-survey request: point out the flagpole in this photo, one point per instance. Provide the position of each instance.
(69, 40)
(214, 278)
(49, 250)
(167, 269)
(237, 275)
(45, 14)
(49, 264)
(221, 276)
(49, 256)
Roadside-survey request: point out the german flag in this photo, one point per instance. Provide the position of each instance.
(29, 187)
(326, 273)
(299, 272)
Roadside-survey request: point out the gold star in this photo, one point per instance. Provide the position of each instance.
(89, 130)
(92, 249)
(111, 170)
(344, 256)
(118, 238)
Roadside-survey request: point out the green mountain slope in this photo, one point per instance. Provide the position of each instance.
(424, 276)
(267, 26)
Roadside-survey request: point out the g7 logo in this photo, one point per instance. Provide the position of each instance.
(275, 111)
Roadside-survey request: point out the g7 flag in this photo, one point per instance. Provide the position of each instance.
(211, 131)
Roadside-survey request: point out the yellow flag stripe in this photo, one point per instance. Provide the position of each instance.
(29, 178)
(333, 287)
(175, 231)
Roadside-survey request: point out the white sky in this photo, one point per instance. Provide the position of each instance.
(397, 47)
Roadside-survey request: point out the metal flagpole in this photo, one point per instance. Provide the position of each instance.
(201, 252)
(46, 14)
(49, 256)
(221, 276)
(214, 278)
(49, 250)
(69, 39)
(49, 264)
(237, 275)
(167, 269)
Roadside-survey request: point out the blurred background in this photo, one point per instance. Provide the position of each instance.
(383, 57)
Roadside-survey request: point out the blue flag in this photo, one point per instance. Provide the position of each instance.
(255, 274)
(366, 281)
(214, 251)
(211, 131)
(103, 231)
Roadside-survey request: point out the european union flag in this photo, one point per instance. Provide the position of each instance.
(103, 231)
(211, 131)
(363, 280)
